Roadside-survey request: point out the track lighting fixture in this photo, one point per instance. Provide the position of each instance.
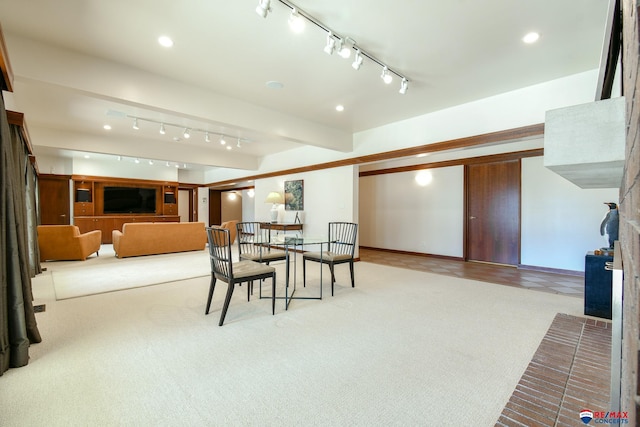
(357, 60)
(385, 76)
(296, 22)
(151, 162)
(404, 85)
(331, 44)
(137, 160)
(238, 144)
(185, 131)
(264, 7)
(135, 124)
(343, 45)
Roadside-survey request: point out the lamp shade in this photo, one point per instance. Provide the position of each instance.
(274, 197)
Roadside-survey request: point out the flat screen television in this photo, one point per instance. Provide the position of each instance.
(129, 200)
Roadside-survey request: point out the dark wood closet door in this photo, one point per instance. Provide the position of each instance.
(493, 212)
(54, 200)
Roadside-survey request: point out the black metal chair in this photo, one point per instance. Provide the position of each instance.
(341, 249)
(224, 269)
(253, 245)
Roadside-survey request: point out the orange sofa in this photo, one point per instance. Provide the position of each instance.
(64, 242)
(151, 238)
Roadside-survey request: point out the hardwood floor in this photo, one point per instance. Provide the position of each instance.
(564, 284)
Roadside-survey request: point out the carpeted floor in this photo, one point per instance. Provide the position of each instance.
(401, 348)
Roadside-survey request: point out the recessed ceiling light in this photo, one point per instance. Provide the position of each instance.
(106, 127)
(339, 107)
(274, 85)
(165, 41)
(531, 38)
(86, 156)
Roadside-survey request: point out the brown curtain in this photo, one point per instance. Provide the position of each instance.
(18, 327)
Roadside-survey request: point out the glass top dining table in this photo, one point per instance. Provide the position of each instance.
(291, 244)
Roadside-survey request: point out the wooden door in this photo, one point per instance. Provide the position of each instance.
(215, 207)
(53, 198)
(493, 212)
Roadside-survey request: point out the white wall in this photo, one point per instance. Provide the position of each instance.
(560, 221)
(248, 206)
(329, 195)
(203, 205)
(397, 213)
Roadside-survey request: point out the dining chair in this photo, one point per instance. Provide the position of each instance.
(254, 245)
(222, 268)
(341, 249)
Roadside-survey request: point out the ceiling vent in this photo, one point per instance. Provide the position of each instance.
(586, 143)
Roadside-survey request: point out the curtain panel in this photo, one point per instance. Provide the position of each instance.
(18, 327)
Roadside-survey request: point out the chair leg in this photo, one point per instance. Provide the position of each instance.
(304, 272)
(227, 300)
(273, 294)
(333, 277)
(353, 282)
(211, 287)
(249, 286)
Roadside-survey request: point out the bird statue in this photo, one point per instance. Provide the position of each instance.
(609, 224)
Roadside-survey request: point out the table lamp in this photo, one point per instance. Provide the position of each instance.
(275, 198)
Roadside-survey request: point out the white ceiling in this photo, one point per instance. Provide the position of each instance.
(214, 77)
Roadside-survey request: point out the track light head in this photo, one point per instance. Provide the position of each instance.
(162, 131)
(206, 137)
(135, 124)
(222, 141)
(263, 8)
(238, 144)
(345, 48)
(296, 22)
(386, 76)
(357, 60)
(331, 44)
(404, 85)
(186, 133)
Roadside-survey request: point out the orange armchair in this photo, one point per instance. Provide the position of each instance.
(231, 226)
(64, 242)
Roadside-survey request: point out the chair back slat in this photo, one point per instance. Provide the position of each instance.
(252, 239)
(342, 237)
(220, 252)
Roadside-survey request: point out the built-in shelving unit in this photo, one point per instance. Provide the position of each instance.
(89, 208)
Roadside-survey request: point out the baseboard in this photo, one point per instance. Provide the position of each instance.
(421, 254)
(551, 270)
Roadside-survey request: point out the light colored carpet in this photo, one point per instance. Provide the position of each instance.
(402, 348)
(107, 273)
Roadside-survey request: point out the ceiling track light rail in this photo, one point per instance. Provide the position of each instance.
(343, 45)
(186, 131)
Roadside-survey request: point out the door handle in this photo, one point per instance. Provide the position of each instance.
(472, 217)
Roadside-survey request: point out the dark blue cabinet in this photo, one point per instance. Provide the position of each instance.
(597, 286)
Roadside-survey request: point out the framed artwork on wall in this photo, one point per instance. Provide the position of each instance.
(294, 195)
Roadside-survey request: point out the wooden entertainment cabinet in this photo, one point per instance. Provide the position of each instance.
(88, 204)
